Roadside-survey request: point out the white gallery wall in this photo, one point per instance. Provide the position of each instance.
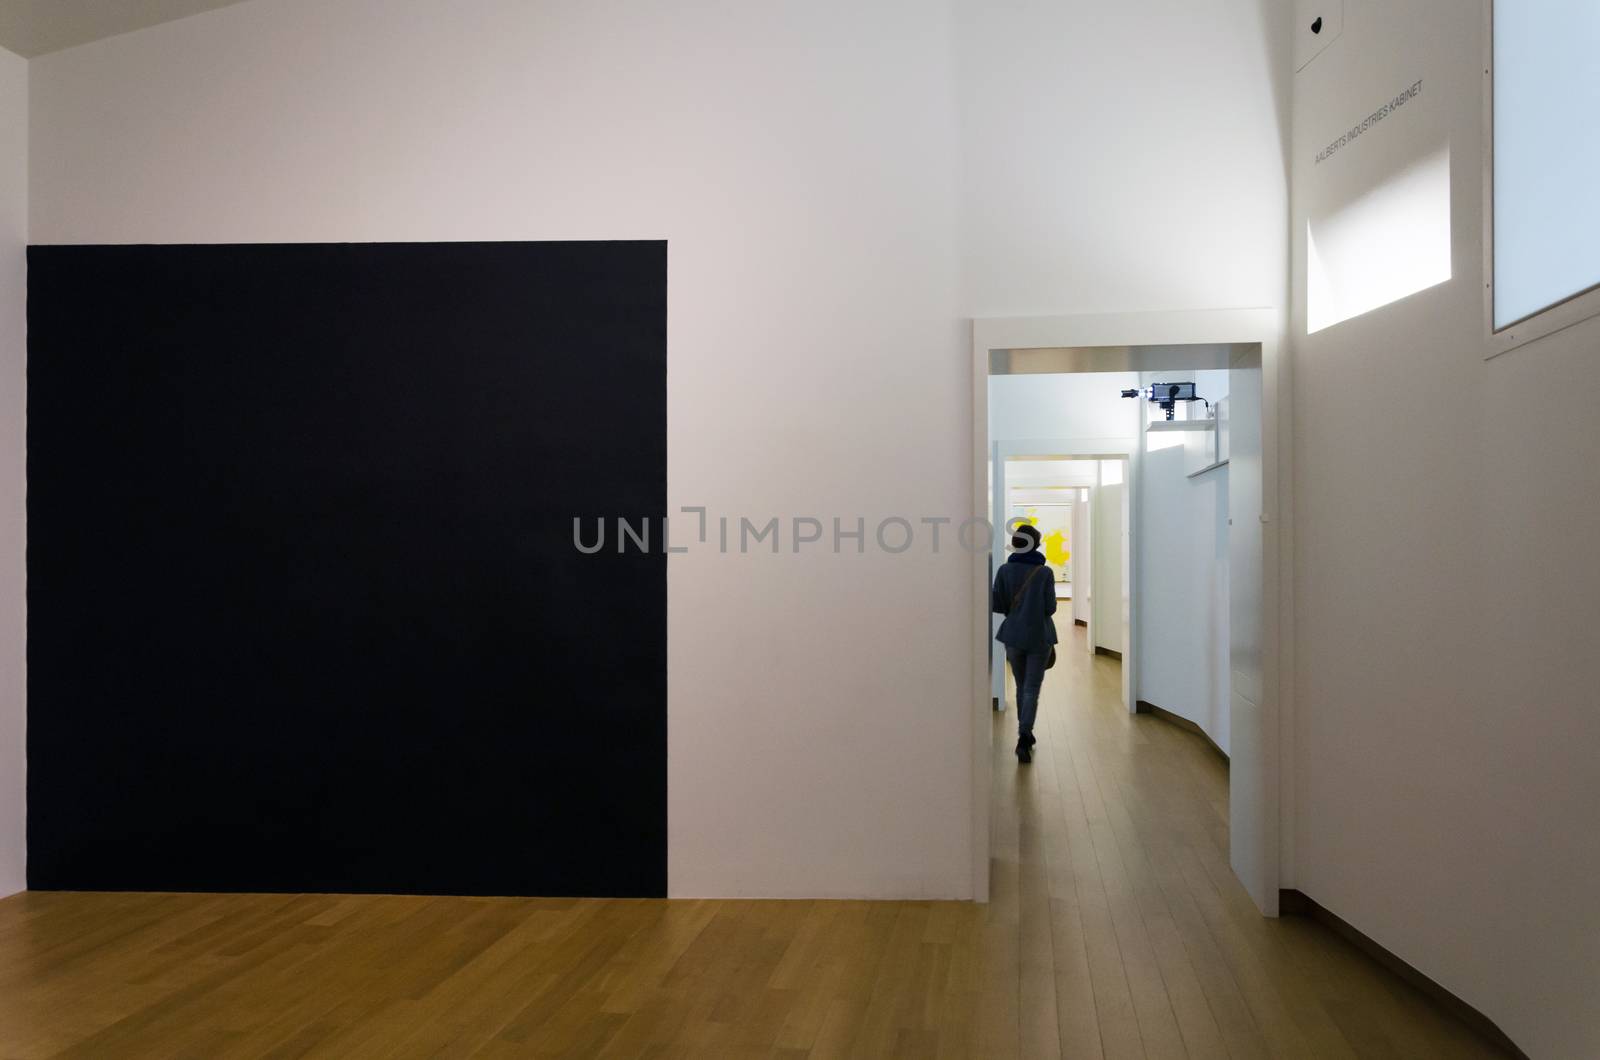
(822, 172)
(13, 469)
(1122, 157)
(1447, 592)
(800, 160)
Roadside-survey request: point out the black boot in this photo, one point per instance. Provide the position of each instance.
(1024, 751)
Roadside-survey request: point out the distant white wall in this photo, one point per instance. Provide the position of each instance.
(13, 484)
(1182, 547)
(1083, 572)
(798, 158)
(1023, 474)
(1211, 385)
(1069, 405)
(1040, 495)
(1447, 593)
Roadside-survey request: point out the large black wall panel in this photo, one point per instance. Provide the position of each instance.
(304, 609)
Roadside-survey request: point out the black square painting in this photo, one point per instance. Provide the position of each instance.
(304, 608)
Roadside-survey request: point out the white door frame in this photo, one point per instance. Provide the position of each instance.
(1261, 786)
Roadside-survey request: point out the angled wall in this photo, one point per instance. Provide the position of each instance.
(1448, 742)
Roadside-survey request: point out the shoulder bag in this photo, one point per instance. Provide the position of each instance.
(1017, 600)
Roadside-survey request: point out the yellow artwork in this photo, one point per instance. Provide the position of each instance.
(1053, 539)
(1055, 548)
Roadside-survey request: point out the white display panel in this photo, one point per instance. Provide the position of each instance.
(1546, 198)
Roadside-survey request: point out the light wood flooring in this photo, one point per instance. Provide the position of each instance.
(1115, 930)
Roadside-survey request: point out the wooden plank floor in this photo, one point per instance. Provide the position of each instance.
(1115, 930)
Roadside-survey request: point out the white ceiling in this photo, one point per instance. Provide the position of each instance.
(34, 27)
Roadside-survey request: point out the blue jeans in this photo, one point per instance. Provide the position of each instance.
(1028, 668)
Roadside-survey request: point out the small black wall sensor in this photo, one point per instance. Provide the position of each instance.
(1316, 27)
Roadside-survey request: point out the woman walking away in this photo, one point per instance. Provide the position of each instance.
(1025, 592)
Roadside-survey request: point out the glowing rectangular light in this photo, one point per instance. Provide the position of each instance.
(1546, 155)
(1392, 242)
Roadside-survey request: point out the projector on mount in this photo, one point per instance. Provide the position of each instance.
(1167, 395)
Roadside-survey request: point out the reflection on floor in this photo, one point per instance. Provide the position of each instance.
(1116, 929)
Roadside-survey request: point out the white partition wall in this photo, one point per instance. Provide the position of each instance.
(1182, 554)
(13, 366)
(1083, 557)
(1109, 572)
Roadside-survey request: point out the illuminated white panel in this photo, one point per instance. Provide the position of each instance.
(1546, 154)
(1392, 242)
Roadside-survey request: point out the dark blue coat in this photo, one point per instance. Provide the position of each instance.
(1028, 626)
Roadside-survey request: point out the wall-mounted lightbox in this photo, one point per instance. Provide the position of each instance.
(1542, 238)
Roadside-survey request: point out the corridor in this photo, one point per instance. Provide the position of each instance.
(1119, 926)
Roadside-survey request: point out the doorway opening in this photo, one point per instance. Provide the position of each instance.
(1079, 504)
(1221, 471)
